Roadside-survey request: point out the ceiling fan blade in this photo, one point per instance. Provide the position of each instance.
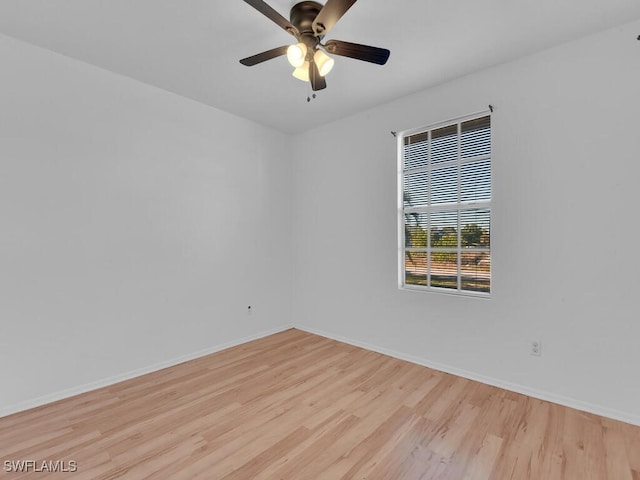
(317, 82)
(264, 56)
(274, 16)
(332, 11)
(357, 51)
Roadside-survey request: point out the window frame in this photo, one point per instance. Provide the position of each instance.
(459, 206)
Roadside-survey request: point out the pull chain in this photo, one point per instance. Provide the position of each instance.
(309, 95)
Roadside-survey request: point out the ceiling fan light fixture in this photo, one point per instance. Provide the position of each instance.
(302, 72)
(323, 61)
(296, 54)
(309, 22)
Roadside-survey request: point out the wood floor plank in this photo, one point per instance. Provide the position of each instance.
(296, 406)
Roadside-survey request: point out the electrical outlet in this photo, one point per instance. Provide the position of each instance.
(536, 348)
(249, 310)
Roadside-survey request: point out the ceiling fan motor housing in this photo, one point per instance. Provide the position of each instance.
(302, 16)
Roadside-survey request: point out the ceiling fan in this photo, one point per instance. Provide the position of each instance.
(309, 23)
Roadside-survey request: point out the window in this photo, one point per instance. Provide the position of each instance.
(445, 207)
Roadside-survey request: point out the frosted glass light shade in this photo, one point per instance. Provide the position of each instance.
(302, 72)
(324, 62)
(296, 54)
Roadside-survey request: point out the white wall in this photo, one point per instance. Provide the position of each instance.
(136, 227)
(564, 233)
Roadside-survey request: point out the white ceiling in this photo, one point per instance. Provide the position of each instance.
(192, 47)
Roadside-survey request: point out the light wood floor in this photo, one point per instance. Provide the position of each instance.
(296, 406)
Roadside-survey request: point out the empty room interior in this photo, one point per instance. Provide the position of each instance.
(406, 260)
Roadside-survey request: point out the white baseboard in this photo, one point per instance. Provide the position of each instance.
(105, 382)
(603, 411)
(627, 417)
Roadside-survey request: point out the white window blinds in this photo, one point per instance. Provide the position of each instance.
(445, 211)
